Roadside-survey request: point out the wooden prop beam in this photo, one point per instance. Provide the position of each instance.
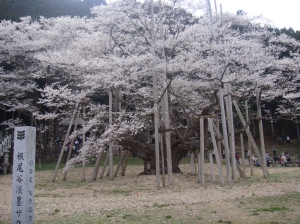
(110, 147)
(64, 145)
(211, 162)
(262, 137)
(243, 154)
(120, 163)
(228, 104)
(104, 166)
(201, 154)
(163, 176)
(218, 160)
(83, 143)
(126, 162)
(96, 167)
(220, 136)
(192, 162)
(257, 153)
(72, 143)
(249, 143)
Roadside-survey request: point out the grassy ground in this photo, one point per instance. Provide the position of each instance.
(132, 161)
(133, 198)
(251, 200)
(293, 148)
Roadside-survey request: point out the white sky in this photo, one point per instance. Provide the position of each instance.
(282, 13)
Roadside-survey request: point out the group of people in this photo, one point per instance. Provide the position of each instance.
(281, 139)
(76, 146)
(281, 159)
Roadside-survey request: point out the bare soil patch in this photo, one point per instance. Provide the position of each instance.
(133, 198)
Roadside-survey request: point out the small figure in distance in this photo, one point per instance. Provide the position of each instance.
(274, 150)
(279, 140)
(237, 157)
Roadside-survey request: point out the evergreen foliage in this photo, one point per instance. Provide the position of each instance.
(14, 9)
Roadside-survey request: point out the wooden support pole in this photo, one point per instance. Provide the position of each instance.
(249, 143)
(250, 158)
(219, 142)
(104, 166)
(243, 154)
(126, 162)
(64, 145)
(96, 167)
(239, 169)
(201, 154)
(221, 99)
(218, 160)
(155, 100)
(298, 135)
(232, 138)
(110, 147)
(192, 157)
(162, 161)
(165, 105)
(211, 162)
(248, 133)
(83, 143)
(262, 137)
(228, 104)
(72, 143)
(120, 163)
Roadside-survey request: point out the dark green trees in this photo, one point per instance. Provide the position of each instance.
(14, 9)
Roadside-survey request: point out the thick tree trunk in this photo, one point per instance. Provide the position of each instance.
(147, 154)
(149, 165)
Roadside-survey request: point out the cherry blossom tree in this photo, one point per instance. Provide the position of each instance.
(113, 54)
(81, 60)
(20, 71)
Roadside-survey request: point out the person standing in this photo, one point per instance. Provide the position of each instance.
(288, 139)
(274, 150)
(279, 140)
(237, 157)
(283, 160)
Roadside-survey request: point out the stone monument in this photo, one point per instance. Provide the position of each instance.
(23, 175)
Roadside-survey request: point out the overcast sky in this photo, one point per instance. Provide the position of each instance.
(283, 13)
